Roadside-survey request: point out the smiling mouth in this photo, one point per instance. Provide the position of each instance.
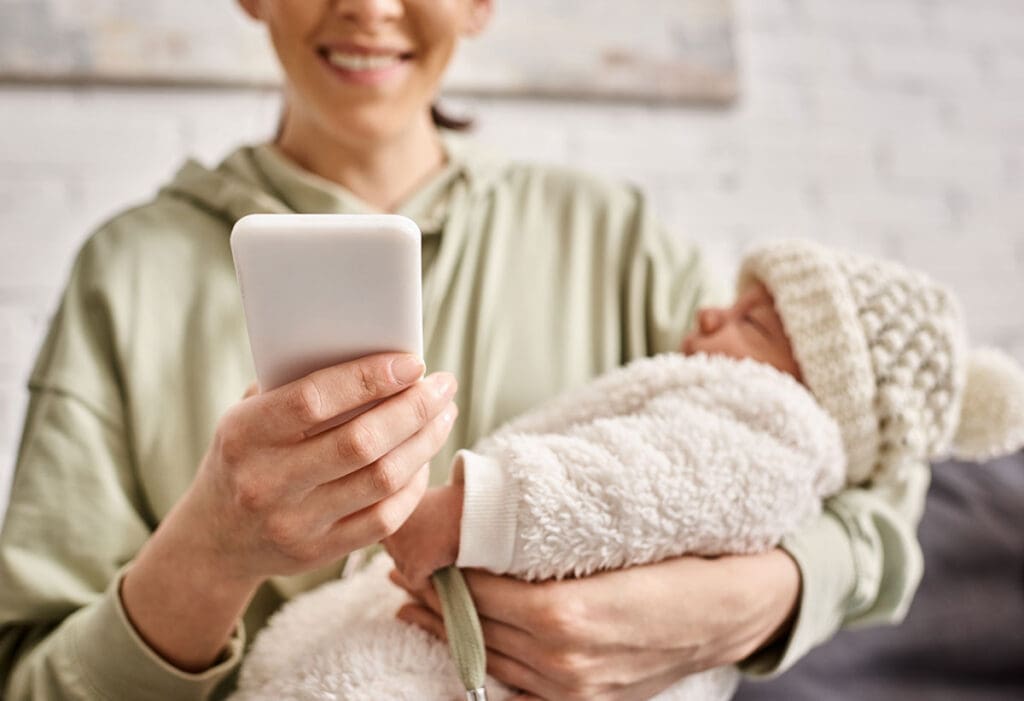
(361, 60)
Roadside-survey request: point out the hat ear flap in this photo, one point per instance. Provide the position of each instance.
(992, 415)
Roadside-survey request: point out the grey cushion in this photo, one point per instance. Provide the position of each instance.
(963, 637)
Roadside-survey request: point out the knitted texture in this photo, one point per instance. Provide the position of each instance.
(881, 347)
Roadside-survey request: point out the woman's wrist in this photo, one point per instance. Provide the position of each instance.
(180, 598)
(776, 589)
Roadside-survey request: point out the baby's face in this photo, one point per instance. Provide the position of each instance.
(751, 328)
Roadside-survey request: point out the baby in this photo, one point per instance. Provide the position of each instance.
(475, 521)
(829, 369)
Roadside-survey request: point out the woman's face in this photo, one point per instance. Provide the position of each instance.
(365, 69)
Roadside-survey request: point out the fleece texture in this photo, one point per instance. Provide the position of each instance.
(341, 642)
(668, 455)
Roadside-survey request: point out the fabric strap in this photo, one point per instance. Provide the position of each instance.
(465, 638)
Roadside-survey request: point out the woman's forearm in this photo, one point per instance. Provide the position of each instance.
(776, 579)
(179, 600)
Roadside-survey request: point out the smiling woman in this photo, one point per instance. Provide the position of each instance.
(359, 75)
(161, 512)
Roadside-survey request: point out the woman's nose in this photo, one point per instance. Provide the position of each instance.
(369, 11)
(709, 320)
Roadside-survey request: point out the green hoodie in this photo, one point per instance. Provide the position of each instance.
(535, 280)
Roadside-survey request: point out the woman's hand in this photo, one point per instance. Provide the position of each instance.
(276, 494)
(624, 634)
(281, 497)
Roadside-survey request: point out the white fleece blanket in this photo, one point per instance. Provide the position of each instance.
(666, 456)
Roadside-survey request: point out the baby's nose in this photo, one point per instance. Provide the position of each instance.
(709, 320)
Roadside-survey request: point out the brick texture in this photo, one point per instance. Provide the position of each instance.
(895, 127)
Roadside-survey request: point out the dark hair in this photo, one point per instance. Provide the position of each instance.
(443, 120)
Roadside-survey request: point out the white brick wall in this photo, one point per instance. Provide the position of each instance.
(891, 126)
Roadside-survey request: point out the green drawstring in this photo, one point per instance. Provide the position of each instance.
(462, 624)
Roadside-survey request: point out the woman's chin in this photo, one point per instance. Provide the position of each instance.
(368, 123)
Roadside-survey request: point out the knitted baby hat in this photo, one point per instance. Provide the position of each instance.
(883, 349)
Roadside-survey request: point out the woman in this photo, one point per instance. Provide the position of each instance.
(534, 280)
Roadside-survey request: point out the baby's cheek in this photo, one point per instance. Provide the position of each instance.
(717, 344)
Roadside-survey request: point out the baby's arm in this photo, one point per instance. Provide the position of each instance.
(430, 538)
(721, 458)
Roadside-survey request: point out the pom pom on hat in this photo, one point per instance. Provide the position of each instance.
(992, 417)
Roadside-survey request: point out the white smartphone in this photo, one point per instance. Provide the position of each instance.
(322, 289)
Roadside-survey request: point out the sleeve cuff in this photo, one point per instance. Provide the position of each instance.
(828, 576)
(487, 535)
(118, 663)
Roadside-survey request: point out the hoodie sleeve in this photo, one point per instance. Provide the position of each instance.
(727, 461)
(75, 519)
(860, 564)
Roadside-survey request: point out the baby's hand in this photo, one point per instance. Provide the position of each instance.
(429, 539)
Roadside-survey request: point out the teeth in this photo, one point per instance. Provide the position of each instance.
(361, 62)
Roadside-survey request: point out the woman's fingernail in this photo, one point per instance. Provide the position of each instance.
(449, 414)
(407, 368)
(444, 384)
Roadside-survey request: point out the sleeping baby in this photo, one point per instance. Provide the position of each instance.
(830, 369)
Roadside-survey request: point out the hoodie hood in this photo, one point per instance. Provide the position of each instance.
(260, 179)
